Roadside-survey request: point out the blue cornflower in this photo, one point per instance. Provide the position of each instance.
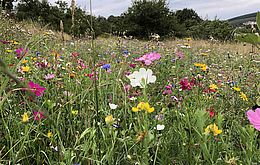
(106, 66)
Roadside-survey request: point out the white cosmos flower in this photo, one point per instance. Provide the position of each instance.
(142, 77)
(113, 106)
(160, 127)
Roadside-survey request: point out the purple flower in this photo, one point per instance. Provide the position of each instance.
(4, 42)
(106, 66)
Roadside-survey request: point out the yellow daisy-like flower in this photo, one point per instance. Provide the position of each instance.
(213, 86)
(49, 134)
(203, 67)
(24, 61)
(243, 96)
(212, 128)
(199, 65)
(25, 117)
(109, 119)
(236, 89)
(25, 68)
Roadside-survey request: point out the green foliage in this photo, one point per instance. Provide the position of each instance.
(258, 20)
(220, 30)
(145, 17)
(142, 18)
(251, 38)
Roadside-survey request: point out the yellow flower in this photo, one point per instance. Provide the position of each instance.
(49, 134)
(74, 112)
(25, 68)
(207, 129)
(236, 89)
(109, 119)
(199, 64)
(188, 39)
(33, 58)
(213, 86)
(150, 109)
(243, 96)
(215, 130)
(135, 109)
(143, 106)
(9, 51)
(212, 128)
(24, 61)
(25, 117)
(186, 44)
(14, 42)
(204, 54)
(203, 67)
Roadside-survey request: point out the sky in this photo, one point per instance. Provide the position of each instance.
(206, 9)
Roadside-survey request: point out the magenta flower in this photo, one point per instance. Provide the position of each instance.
(147, 59)
(254, 118)
(19, 52)
(36, 88)
(168, 90)
(185, 84)
(38, 115)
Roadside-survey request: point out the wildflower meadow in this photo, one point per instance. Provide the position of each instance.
(112, 100)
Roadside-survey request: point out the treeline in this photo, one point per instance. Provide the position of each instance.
(143, 18)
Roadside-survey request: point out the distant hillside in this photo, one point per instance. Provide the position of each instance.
(237, 21)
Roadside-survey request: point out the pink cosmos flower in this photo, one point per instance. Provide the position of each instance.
(147, 59)
(36, 88)
(49, 76)
(38, 115)
(254, 118)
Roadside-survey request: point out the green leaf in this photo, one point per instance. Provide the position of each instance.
(249, 38)
(258, 20)
(88, 130)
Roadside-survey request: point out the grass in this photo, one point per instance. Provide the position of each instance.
(65, 126)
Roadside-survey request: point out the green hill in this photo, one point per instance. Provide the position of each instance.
(237, 21)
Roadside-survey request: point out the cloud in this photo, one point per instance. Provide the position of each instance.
(222, 9)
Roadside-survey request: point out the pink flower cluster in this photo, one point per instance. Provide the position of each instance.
(147, 59)
(185, 84)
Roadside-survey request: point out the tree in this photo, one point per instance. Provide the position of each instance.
(186, 15)
(148, 16)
